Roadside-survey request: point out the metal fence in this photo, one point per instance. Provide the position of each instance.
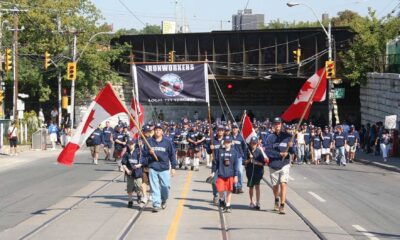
(39, 139)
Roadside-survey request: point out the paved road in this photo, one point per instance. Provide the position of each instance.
(361, 199)
(356, 201)
(34, 182)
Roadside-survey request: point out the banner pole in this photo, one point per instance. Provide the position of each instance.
(136, 123)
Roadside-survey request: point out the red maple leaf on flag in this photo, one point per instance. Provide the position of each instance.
(89, 120)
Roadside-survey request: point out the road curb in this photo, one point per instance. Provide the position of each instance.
(378, 164)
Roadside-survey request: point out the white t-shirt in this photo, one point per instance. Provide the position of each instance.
(300, 138)
(14, 133)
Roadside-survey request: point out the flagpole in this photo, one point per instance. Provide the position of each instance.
(136, 123)
(306, 108)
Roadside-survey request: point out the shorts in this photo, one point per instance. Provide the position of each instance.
(279, 176)
(117, 153)
(53, 137)
(326, 151)
(108, 145)
(95, 149)
(317, 154)
(134, 185)
(254, 181)
(351, 149)
(193, 153)
(224, 184)
(145, 177)
(13, 142)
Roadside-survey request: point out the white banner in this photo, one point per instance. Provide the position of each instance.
(390, 122)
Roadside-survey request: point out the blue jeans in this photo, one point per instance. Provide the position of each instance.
(214, 184)
(239, 184)
(340, 155)
(160, 184)
(300, 153)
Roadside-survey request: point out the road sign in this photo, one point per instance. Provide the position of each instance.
(339, 93)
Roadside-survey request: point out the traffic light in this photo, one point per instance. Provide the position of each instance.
(229, 86)
(297, 56)
(171, 56)
(47, 60)
(64, 102)
(71, 71)
(8, 60)
(330, 69)
(1, 96)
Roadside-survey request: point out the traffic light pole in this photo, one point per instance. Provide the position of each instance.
(15, 65)
(72, 115)
(330, 81)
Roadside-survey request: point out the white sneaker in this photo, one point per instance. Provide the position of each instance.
(95, 161)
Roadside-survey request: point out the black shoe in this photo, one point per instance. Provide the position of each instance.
(257, 207)
(222, 203)
(276, 205)
(130, 204)
(240, 190)
(164, 205)
(228, 209)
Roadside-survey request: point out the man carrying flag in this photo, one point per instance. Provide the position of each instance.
(105, 105)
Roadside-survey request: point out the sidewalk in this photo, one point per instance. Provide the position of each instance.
(393, 163)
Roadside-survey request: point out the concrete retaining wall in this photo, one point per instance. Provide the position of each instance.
(380, 97)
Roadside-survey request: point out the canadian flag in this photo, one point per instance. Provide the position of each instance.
(138, 115)
(247, 129)
(104, 106)
(297, 108)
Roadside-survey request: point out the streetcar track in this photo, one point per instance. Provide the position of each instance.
(313, 228)
(68, 210)
(131, 223)
(224, 226)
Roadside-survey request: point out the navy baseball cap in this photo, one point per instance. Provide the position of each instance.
(235, 125)
(130, 142)
(254, 139)
(146, 128)
(277, 120)
(158, 125)
(220, 127)
(228, 139)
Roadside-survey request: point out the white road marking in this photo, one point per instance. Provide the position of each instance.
(317, 197)
(365, 232)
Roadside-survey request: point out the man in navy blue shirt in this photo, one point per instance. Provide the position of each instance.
(241, 147)
(96, 142)
(159, 169)
(352, 142)
(339, 142)
(213, 148)
(277, 149)
(327, 145)
(107, 140)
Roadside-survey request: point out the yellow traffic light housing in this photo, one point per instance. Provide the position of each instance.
(330, 69)
(297, 56)
(64, 102)
(171, 56)
(47, 60)
(71, 71)
(1, 96)
(8, 60)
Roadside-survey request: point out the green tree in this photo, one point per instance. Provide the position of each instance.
(367, 51)
(43, 33)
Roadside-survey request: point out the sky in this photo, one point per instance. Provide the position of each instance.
(207, 15)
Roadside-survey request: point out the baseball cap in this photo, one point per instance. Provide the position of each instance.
(220, 127)
(146, 128)
(254, 139)
(228, 139)
(235, 125)
(130, 142)
(277, 120)
(158, 125)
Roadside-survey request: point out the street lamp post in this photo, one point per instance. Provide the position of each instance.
(75, 59)
(329, 36)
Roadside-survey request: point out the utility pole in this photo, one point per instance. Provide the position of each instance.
(73, 82)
